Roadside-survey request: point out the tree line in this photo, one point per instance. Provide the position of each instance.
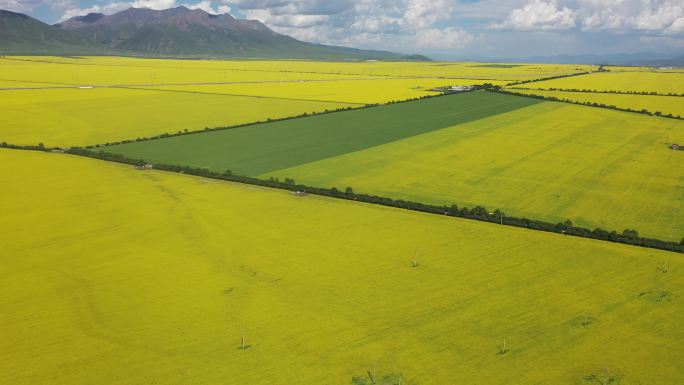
(590, 104)
(268, 120)
(645, 93)
(480, 213)
(476, 87)
(551, 78)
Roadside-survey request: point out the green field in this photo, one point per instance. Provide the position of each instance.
(119, 276)
(543, 160)
(259, 149)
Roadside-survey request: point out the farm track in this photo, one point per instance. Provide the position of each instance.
(247, 96)
(95, 86)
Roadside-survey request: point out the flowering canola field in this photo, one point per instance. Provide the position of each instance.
(82, 101)
(142, 277)
(639, 81)
(530, 158)
(666, 105)
(554, 161)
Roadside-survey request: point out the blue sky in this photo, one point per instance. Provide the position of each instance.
(441, 28)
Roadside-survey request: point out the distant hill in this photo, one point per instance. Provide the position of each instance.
(651, 59)
(674, 62)
(21, 34)
(632, 59)
(174, 32)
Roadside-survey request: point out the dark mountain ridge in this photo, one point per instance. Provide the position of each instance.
(80, 21)
(174, 32)
(22, 34)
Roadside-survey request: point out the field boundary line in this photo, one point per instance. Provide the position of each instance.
(243, 95)
(613, 92)
(271, 120)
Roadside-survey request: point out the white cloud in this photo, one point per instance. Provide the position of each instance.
(293, 20)
(486, 10)
(106, 9)
(17, 6)
(113, 7)
(205, 5)
(617, 16)
(676, 27)
(153, 4)
(26, 6)
(422, 14)
(538, 15)
(381, 24)
(442, 39)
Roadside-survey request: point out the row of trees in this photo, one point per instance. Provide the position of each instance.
(586, 90)
(268, 120)
(476, 87)
(480, 213)
(549, 78)
(591, 104)
(39, 147)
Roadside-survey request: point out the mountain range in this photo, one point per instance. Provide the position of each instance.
(650, 59)
(632, 59)
(175, 32)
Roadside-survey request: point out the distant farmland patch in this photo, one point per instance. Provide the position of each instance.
(497, 65)
(267, 147)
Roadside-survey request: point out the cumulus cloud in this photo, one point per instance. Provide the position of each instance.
(117, 6)
(26, 6)
(17, 6)
(442, 39)
(617, 16)
(396, 25)
(676, 27)
(538, 15)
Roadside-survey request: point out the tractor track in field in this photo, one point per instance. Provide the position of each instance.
(95, 86)
(245, 96)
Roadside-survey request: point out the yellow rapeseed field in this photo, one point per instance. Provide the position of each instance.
(134, 70)
(130, 71)
(109, 99)
(551, 161)
(119, 276)
(658, 82)
(353, 92)
(78, 117)
(629, 69)
(673, 105)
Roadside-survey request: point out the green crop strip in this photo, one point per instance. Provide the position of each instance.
(262, 148)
